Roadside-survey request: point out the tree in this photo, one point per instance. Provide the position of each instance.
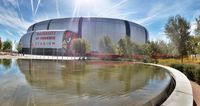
(172, 49)
(125, 47)
(166, 48)
(197, 34)
(194, 41)
(0, 44)
(177, 29)
(106, 45)
(137, 49)
(7, 45)
(163, 46)
(7, 63)
(18, 47)
(81, 46)
(152, 49)
(197, 29)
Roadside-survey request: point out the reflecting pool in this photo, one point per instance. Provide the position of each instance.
(79, 83)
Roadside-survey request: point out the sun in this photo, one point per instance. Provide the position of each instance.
(92, 8)
(84, 2)
(83, 7)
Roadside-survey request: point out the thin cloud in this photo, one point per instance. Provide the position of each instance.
(10, 34)
(101, 8)
(37, 7)
(32, 7)
(164, 10)
(113, 8)
(12, 3)
(21, 16)
(9, 18)
(57, 8)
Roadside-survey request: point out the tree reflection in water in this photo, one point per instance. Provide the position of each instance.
(6, 63)
(72, 80)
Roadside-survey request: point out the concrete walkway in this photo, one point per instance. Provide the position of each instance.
(42, 57)
(196, 92)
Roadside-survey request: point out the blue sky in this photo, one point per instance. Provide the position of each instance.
(17, 15)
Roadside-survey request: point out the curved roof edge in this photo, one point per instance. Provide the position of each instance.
(88, 18)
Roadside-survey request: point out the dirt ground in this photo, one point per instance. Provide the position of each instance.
(196, 92)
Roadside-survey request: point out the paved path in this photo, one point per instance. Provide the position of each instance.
(42, 57)
(196, 92)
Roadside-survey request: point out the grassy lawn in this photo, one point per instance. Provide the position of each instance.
(177, 61)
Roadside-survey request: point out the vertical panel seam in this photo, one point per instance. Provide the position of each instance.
(146, 35)
(127, 25)
(31, 41)
(33, 27)
(49, 24)
(80, 27)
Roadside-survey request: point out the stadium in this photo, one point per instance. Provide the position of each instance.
(51, 37)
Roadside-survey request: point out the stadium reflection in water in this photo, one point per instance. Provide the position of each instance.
(84, 83)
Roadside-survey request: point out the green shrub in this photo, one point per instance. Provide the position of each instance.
(177, 66)
(189, 70)
(197, 75)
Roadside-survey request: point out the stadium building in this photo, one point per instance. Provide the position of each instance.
(53, 37)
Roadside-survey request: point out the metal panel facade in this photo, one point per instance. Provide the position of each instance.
(138, 34)
(41, 25)
(91, 29)
(64, 24)
(25, 40)
(94, 29)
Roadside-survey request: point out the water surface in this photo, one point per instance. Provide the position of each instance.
(79, 83)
